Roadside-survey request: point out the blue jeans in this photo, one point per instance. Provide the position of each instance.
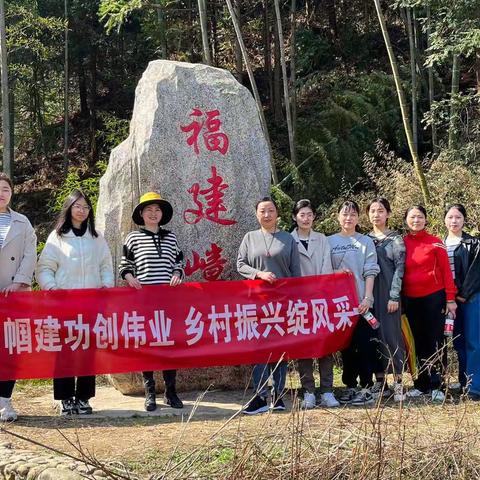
(472, 342)
(261, 372)
(459, 343)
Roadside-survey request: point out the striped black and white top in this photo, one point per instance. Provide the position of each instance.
(5, 221)
(151, 257)
(452, 245)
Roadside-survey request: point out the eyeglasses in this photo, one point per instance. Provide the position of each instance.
(83, 208)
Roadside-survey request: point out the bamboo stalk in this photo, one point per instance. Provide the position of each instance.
(403, 106)
(256, 95)
(7, 142)
(286, 92)
(202, 10)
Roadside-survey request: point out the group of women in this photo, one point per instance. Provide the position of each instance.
(419, 273)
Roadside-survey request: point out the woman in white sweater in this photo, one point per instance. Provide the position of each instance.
(75, 256)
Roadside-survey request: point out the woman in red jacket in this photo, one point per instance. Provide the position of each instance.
(429, 293)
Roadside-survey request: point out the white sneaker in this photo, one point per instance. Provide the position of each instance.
(398, 392)
(309, 401)
(438, 396)
(328, 400)
(7, 412)
(414, 393)
(380, 389)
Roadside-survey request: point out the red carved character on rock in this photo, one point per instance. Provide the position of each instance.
(213, 198)
(211, 266)
(213, 139)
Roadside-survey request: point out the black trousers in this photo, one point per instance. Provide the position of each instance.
(426, 316)
(169, 376)
(6, 388)
(82, 389)
(360, 358)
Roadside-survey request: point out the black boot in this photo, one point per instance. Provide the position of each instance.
(149, 383)
(150, 402)
(171, 397)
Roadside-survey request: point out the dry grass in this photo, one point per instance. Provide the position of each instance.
(411, 440)
(386, 442)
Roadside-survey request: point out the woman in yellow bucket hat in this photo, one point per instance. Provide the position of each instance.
(151, 256)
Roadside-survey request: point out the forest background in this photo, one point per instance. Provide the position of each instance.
(324, 79)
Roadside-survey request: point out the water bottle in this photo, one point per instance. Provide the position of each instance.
(370, 318)
(449, 322)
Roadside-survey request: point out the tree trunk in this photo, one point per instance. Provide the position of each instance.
(431, 86)
(83, 92)
(267, 53)
(7, 140)
(256, 95)
(293, 76)
(453, 129)
(214, 32)
(332, 18)
(162, 27)
(277, 77)
(403, 105)
(202, 10)
(413, 76)
(238, 51)
(37, 108)
(286, 92)
(66, 96)
(92, 104)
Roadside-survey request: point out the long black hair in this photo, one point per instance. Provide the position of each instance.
(64, 220)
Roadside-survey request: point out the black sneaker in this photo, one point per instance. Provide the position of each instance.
(362, 398)
(150, 402)
(171, 398)
(257, 405)
(277, 404)
(68, 407)
(84, 407)
(347, 396)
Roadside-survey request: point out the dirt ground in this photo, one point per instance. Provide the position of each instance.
(121, 431)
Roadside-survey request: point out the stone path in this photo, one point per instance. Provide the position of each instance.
(109, 403)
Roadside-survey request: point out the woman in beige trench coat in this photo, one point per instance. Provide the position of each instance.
(18, 253)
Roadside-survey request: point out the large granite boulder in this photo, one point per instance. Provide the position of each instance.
(195, 137)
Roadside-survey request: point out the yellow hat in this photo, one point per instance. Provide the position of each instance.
(148, 199)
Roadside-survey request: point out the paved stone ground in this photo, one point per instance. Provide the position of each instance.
(109, 403)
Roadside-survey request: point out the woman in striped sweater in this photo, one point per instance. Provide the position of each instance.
(151, 256)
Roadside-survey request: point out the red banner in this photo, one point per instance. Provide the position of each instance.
(84, 332)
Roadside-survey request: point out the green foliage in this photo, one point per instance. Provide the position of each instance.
(285, 207)
(314, 53)
(114, 131)
(449, 180)
(334, 132)
(114, 13)
(76, 178)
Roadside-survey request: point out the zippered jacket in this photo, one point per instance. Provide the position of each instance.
(427, 269)
(68, 261)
